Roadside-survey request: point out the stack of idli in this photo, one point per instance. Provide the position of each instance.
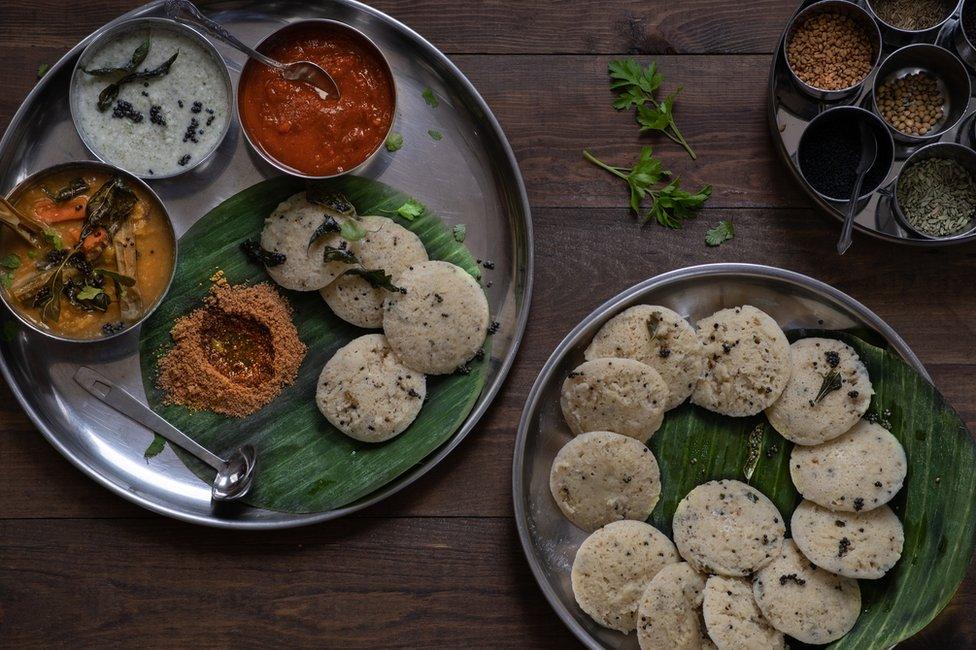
(433, 314)
(732, 578)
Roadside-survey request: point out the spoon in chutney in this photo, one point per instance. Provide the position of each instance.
(305, 71)
(235, 474)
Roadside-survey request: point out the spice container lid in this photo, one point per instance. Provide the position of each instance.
(946, 150)
(862, 20)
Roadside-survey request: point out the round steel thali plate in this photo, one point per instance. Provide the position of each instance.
(469, 177)
(549, 540)
(790, 111)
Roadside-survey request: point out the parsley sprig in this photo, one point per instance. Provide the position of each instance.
(670, 205)
(636, 86)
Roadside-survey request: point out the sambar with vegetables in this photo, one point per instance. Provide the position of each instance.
(86, 251)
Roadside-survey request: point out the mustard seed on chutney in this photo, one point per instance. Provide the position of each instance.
(292, 124)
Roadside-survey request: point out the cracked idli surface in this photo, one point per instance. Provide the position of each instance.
(600, 477)
(619, 395)
(613, 567)
(828, 392)
(659, 337)
(747, 362)
(727, 527)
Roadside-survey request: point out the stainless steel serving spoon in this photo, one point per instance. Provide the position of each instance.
(234, 475)
(869, 153)
(306, 71)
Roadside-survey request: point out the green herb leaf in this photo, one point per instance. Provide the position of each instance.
(410, 210)
(831, 381)
(53, 237)
(6, 279)
(430, 98)
(329, 224)
(124, 280)
(459, 231)
(76, 187)
(42, 69)
(394, 142)
(721, 233)
(10, 261)
(333, 254)
(377, 278)
(155, 447)
(138, 56)
(255, 252)
(107, 97)
(435, 135)
(332, 201)
(88, 292)
(351, 230)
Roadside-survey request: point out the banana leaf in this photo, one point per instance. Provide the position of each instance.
(936, 505)
(304, 464)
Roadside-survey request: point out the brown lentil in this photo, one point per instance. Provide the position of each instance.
(912, 104)
(830, 51)
(912, 15)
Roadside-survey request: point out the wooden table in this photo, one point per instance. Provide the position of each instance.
(440, 564)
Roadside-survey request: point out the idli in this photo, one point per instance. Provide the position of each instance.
(612, 568)
(727, 527)
(440, 321)
(733, 619)
(366, 393)
(659, 337)
(747, 362)
(669, 613)
(828, 392)
(619, 395)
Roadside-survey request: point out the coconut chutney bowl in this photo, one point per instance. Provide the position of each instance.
(302, 134)
(151, 96)
(112, 279)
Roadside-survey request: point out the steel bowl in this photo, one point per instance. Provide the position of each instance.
(950, 73)
(886, 146)
(35, 178)
(961, 154)
(859, 16)
(548, 539)
(271, 40)
(135, 24)
(898, 36)
(965, 46)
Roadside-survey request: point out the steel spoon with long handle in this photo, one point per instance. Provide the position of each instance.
(869, 153)
(234, 475)
(306, 71)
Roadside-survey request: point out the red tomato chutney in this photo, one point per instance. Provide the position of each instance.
(296, 127)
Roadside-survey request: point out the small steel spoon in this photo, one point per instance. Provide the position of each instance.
(306, 71)
(869, 153)
(234, 475)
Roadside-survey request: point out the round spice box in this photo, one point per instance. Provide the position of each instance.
(906, 69)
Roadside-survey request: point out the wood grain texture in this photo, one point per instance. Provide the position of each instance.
(439, 564)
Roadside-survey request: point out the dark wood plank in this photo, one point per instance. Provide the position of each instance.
(490, 26)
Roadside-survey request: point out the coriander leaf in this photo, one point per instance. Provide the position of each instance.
(377, 278)
(53, 237)
(459, 232)
(88, 292)
(42, 69)
(723, 232)
(351, 230)
(634, 85)
(410, 210)
(155, 447)
(394, 142)
(6, 279)
(435, 135)
(430, 98)
(10, 261)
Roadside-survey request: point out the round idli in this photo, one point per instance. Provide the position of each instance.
(387, 246)
(669, 613)
(733, 619)
(288, 231)
(727, 527)
(659, 337)
(612, 568)
(807, 412)
(747, 362)
(860, 470)
(850, 544)
(619, 395)
(366, 393)
(440, 321)
(803, 601)
(600, 477)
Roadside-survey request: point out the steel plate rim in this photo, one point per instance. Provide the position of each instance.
(609, 306)
(404, 480)
(818, 202)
